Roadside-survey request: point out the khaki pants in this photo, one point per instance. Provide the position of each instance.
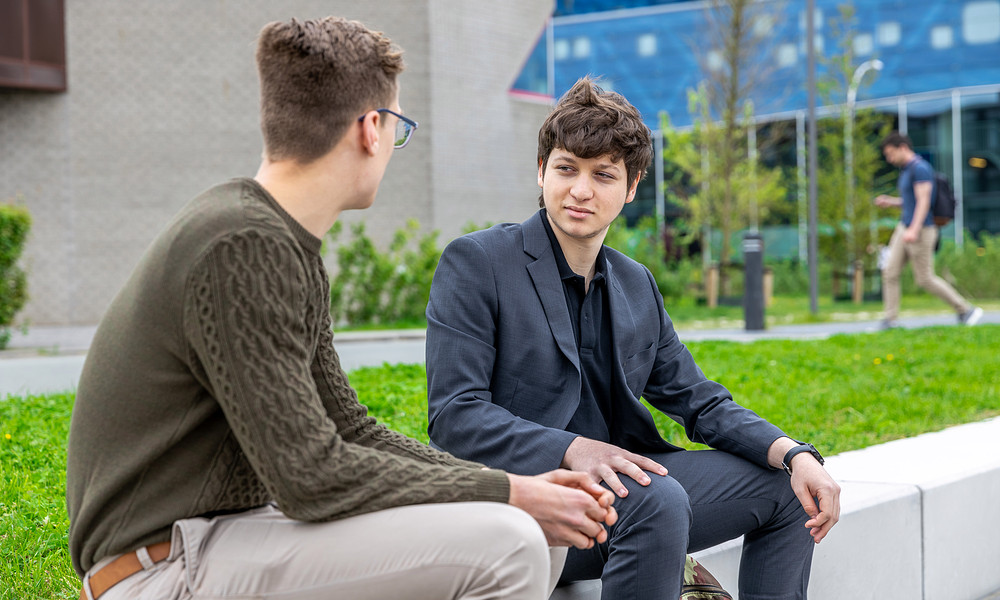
(921, 257)
(474, 550)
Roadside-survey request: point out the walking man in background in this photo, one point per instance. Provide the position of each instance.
(916, 234)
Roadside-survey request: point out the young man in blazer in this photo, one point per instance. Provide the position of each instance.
(540, 342)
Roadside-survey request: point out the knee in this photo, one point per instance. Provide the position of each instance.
(518, 531)
(663, 503)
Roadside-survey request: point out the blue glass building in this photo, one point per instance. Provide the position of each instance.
(940, 79)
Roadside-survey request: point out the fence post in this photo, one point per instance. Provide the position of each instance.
(712, 285)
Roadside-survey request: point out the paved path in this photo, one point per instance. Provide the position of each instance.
(49, 359)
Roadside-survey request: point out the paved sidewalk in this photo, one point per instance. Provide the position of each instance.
(49, 359)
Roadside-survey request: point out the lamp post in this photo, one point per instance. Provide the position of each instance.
(852, 93)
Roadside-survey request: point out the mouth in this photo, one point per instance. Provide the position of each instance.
(577, 211)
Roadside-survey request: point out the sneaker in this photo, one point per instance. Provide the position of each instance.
(888, 324)
(972, 316)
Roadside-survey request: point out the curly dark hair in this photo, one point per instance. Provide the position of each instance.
(590, 122)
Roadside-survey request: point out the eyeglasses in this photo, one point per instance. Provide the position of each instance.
(404, 127)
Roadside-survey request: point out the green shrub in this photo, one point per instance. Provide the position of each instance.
(642, 243)
(14, 225)
(375, 287)
(973, 269)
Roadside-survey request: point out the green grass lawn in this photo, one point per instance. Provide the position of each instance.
(687, 314)
(843, 393)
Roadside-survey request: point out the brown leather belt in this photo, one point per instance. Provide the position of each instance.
(120, 568)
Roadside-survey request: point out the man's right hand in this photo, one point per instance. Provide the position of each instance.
(886, 201)
(570, 508)
(603, 462)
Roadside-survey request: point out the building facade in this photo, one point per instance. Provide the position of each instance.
(939, 77)
(160, 102)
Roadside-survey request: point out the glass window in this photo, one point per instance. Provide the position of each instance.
(763, 25)
(581, 47)
(863, 44)
(787, 55)
(817, 19)
(888, 33)
(714, 60)
(941, 37)
(981, 22)
(817, 44)
(646, 44)
(560, 49)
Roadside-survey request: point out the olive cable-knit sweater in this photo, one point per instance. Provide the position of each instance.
(212, 386)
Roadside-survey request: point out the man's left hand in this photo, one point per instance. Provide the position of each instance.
(811, 483)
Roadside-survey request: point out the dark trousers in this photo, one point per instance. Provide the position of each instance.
(707, 498)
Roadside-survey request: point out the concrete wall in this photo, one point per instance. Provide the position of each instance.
(162, 103)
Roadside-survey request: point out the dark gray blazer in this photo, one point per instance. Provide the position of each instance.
(503, 371)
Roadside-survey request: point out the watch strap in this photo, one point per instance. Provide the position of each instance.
(786, 462)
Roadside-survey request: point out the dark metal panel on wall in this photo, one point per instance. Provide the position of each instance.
(33, 44)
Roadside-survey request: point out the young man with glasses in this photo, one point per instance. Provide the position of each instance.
(541, 342)
(216, 447)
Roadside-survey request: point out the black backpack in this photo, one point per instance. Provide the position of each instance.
(944, 205)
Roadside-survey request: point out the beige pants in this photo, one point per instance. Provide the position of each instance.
(920, 254)
(474, 550)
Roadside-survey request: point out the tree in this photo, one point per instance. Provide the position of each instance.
(852, 214)
(717, 178)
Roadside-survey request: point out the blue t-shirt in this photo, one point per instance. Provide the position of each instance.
(915, 171)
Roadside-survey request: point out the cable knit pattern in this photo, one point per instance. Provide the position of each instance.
(213, 386)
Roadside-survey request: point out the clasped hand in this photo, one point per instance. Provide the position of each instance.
(571, 509)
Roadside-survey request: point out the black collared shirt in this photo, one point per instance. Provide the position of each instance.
(589, 312)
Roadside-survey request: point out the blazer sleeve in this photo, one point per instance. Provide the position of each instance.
(463, 316)
(706, 409)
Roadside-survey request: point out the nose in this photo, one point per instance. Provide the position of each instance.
(581, 190)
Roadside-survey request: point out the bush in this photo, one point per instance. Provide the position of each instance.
(675, 278)
(14, 225)
(972, 270)
(374, 287)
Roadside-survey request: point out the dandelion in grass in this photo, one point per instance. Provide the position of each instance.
(6, 436)
(877, 360)
(888, 357)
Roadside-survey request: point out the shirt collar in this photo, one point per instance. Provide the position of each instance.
(565, 272)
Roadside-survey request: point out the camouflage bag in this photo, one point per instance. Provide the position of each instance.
(699, 584)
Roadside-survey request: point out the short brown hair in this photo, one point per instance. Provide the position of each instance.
(897, 140)
(316, 78)
(591, 122)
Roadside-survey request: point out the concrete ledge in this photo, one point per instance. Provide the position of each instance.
(918, 522)
(957, 473)
(874, 552)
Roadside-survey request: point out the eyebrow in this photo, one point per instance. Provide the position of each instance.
(572, 159)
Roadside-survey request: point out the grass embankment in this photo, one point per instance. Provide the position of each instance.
(843, 393)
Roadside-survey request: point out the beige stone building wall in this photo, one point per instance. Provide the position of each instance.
(162, 103)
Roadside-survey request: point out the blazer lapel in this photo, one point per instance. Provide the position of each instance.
(548, 285)
(622, 324)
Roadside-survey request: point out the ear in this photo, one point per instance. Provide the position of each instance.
(631, 192)
(541, 173)
(369, 132)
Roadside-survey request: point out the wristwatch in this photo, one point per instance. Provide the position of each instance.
(786, 463)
